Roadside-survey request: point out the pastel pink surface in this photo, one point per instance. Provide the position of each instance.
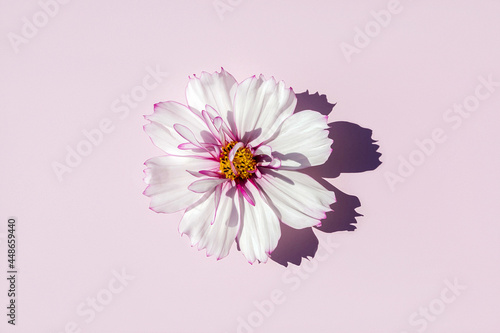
(437, 225)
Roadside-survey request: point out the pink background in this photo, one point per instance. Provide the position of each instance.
(439, 224)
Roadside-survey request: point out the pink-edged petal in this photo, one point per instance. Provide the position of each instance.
(217, 196)
(246, 194)
(234, 150)
(189, 146)
(302, 141)
(211, 173)
(164, 136)
(187, 134)
(166, 139)
(260, 106)
(205, 185)
(210, 124)
(259, 230)
(216, 89)
(275, 163)
(300, 200)
(215, 235)
(263, 150)
(220, 124)
(168, 178)
(195, 173)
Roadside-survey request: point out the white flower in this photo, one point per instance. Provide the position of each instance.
(233, 163)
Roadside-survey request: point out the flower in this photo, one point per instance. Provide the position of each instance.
(233, 162)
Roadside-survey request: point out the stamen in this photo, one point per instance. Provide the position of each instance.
(237, 161)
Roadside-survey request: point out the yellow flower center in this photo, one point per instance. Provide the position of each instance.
(242, 163)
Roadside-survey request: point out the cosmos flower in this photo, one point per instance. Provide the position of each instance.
(233, 163)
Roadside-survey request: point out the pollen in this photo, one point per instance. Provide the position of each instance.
(243, 162)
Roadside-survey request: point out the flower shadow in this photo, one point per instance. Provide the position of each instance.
(353, 150)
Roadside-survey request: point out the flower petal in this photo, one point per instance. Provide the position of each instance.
(302, 141)
(216, 237)
(260, 106)
(260, 229)
(164, 136)
(298, 199)
(168, 179)
(216, 90)
(205, 185)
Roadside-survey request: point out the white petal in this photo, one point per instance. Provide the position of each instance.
(260, 106)
(218, 237)
(162, 132)
(216, 90)
(168, 179)
(302, 141)
(205, 185)
(260, 229)
(187, 134)
(210, 124)
(263, 150)
(300, 201)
